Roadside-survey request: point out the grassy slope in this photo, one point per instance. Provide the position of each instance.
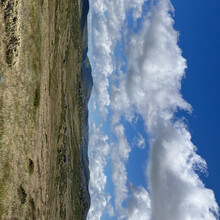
(40, 110)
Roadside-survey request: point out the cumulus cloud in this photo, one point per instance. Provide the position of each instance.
(119, 156)
(99, 149)
(117, 17)
(139, 204)
(150, 87)
(101, 55)
(176, 190)
(106, 21)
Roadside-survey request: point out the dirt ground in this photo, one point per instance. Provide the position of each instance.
(40, 110)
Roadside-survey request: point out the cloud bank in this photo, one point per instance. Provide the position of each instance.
(99, 151)
(150, 87)
(119, 156)
(101, 57)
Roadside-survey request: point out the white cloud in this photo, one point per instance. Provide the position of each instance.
(117, 10)
(110, 210)
(139, 141)
(151, 88)
(123, 147)
(101, 55)
(98, 154)
(107, 19)
(139, 204)
(176, 190)
(119, 178)
(119, 156)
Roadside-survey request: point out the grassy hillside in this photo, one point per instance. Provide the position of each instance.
(40, 110)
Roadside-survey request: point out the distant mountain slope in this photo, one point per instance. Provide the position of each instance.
(87, 84)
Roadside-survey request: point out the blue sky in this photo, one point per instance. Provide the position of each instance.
(148, 111)
(198, 23)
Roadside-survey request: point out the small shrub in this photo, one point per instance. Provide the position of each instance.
(31, 202)
(37, 97)
(31, 167)
(22, 194)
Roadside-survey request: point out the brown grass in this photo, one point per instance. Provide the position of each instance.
(40, 110)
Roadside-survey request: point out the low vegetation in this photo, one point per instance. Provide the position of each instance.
(31, 167)
(22, 194)
(40, 110)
